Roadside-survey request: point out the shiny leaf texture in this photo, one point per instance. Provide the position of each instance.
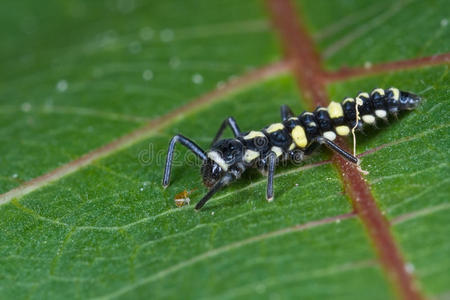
(78, 75)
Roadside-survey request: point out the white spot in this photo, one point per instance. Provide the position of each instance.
(174, 62)
(15, 175)
(329, 135)
(134, 47)
(444, 22)
(296, 184)
(62, 86)
(381, 113)
(367, 65)
(141, 189)
(197, 78)
(409, 267)
(26, 107)
(146, 33)
(342, 130)
(369, 119)
(212, 213)
(166, 35)
(338, 221)
(125, 6)
(147, 75)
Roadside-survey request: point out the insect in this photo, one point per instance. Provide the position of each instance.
(182, 198)
(292, 138)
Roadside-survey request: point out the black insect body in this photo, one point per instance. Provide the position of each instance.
(292, 138)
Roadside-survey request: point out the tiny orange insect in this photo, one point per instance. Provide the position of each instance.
(182, 198)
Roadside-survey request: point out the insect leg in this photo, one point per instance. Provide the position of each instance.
(230, 121)
(286, 112)
(271, 161)
(216, 187)
(311, 148)
(337, 149)
(188, 144)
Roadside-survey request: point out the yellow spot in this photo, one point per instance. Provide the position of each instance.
(292, 146)
(299, 136)
(342, 130)
(348, 100)
(396, 93)
(250, 155)
(275, 127)
(252, 134)
(293, 118)
(277, 150)
(379, 91)
(335, 110)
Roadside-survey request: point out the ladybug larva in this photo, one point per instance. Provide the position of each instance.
(294, 136)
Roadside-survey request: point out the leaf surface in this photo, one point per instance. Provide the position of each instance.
(109, 230)
(108, 68)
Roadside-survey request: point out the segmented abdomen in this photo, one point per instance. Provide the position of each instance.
(340, 118)
(336, 119)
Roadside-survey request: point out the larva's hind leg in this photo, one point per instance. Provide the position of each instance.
(216, 187)
(271, 163)
(332, 146)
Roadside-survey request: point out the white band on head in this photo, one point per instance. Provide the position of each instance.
(213, 155)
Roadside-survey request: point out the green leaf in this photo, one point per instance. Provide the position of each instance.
(105, 70)
(110, 230)
(358, 33)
